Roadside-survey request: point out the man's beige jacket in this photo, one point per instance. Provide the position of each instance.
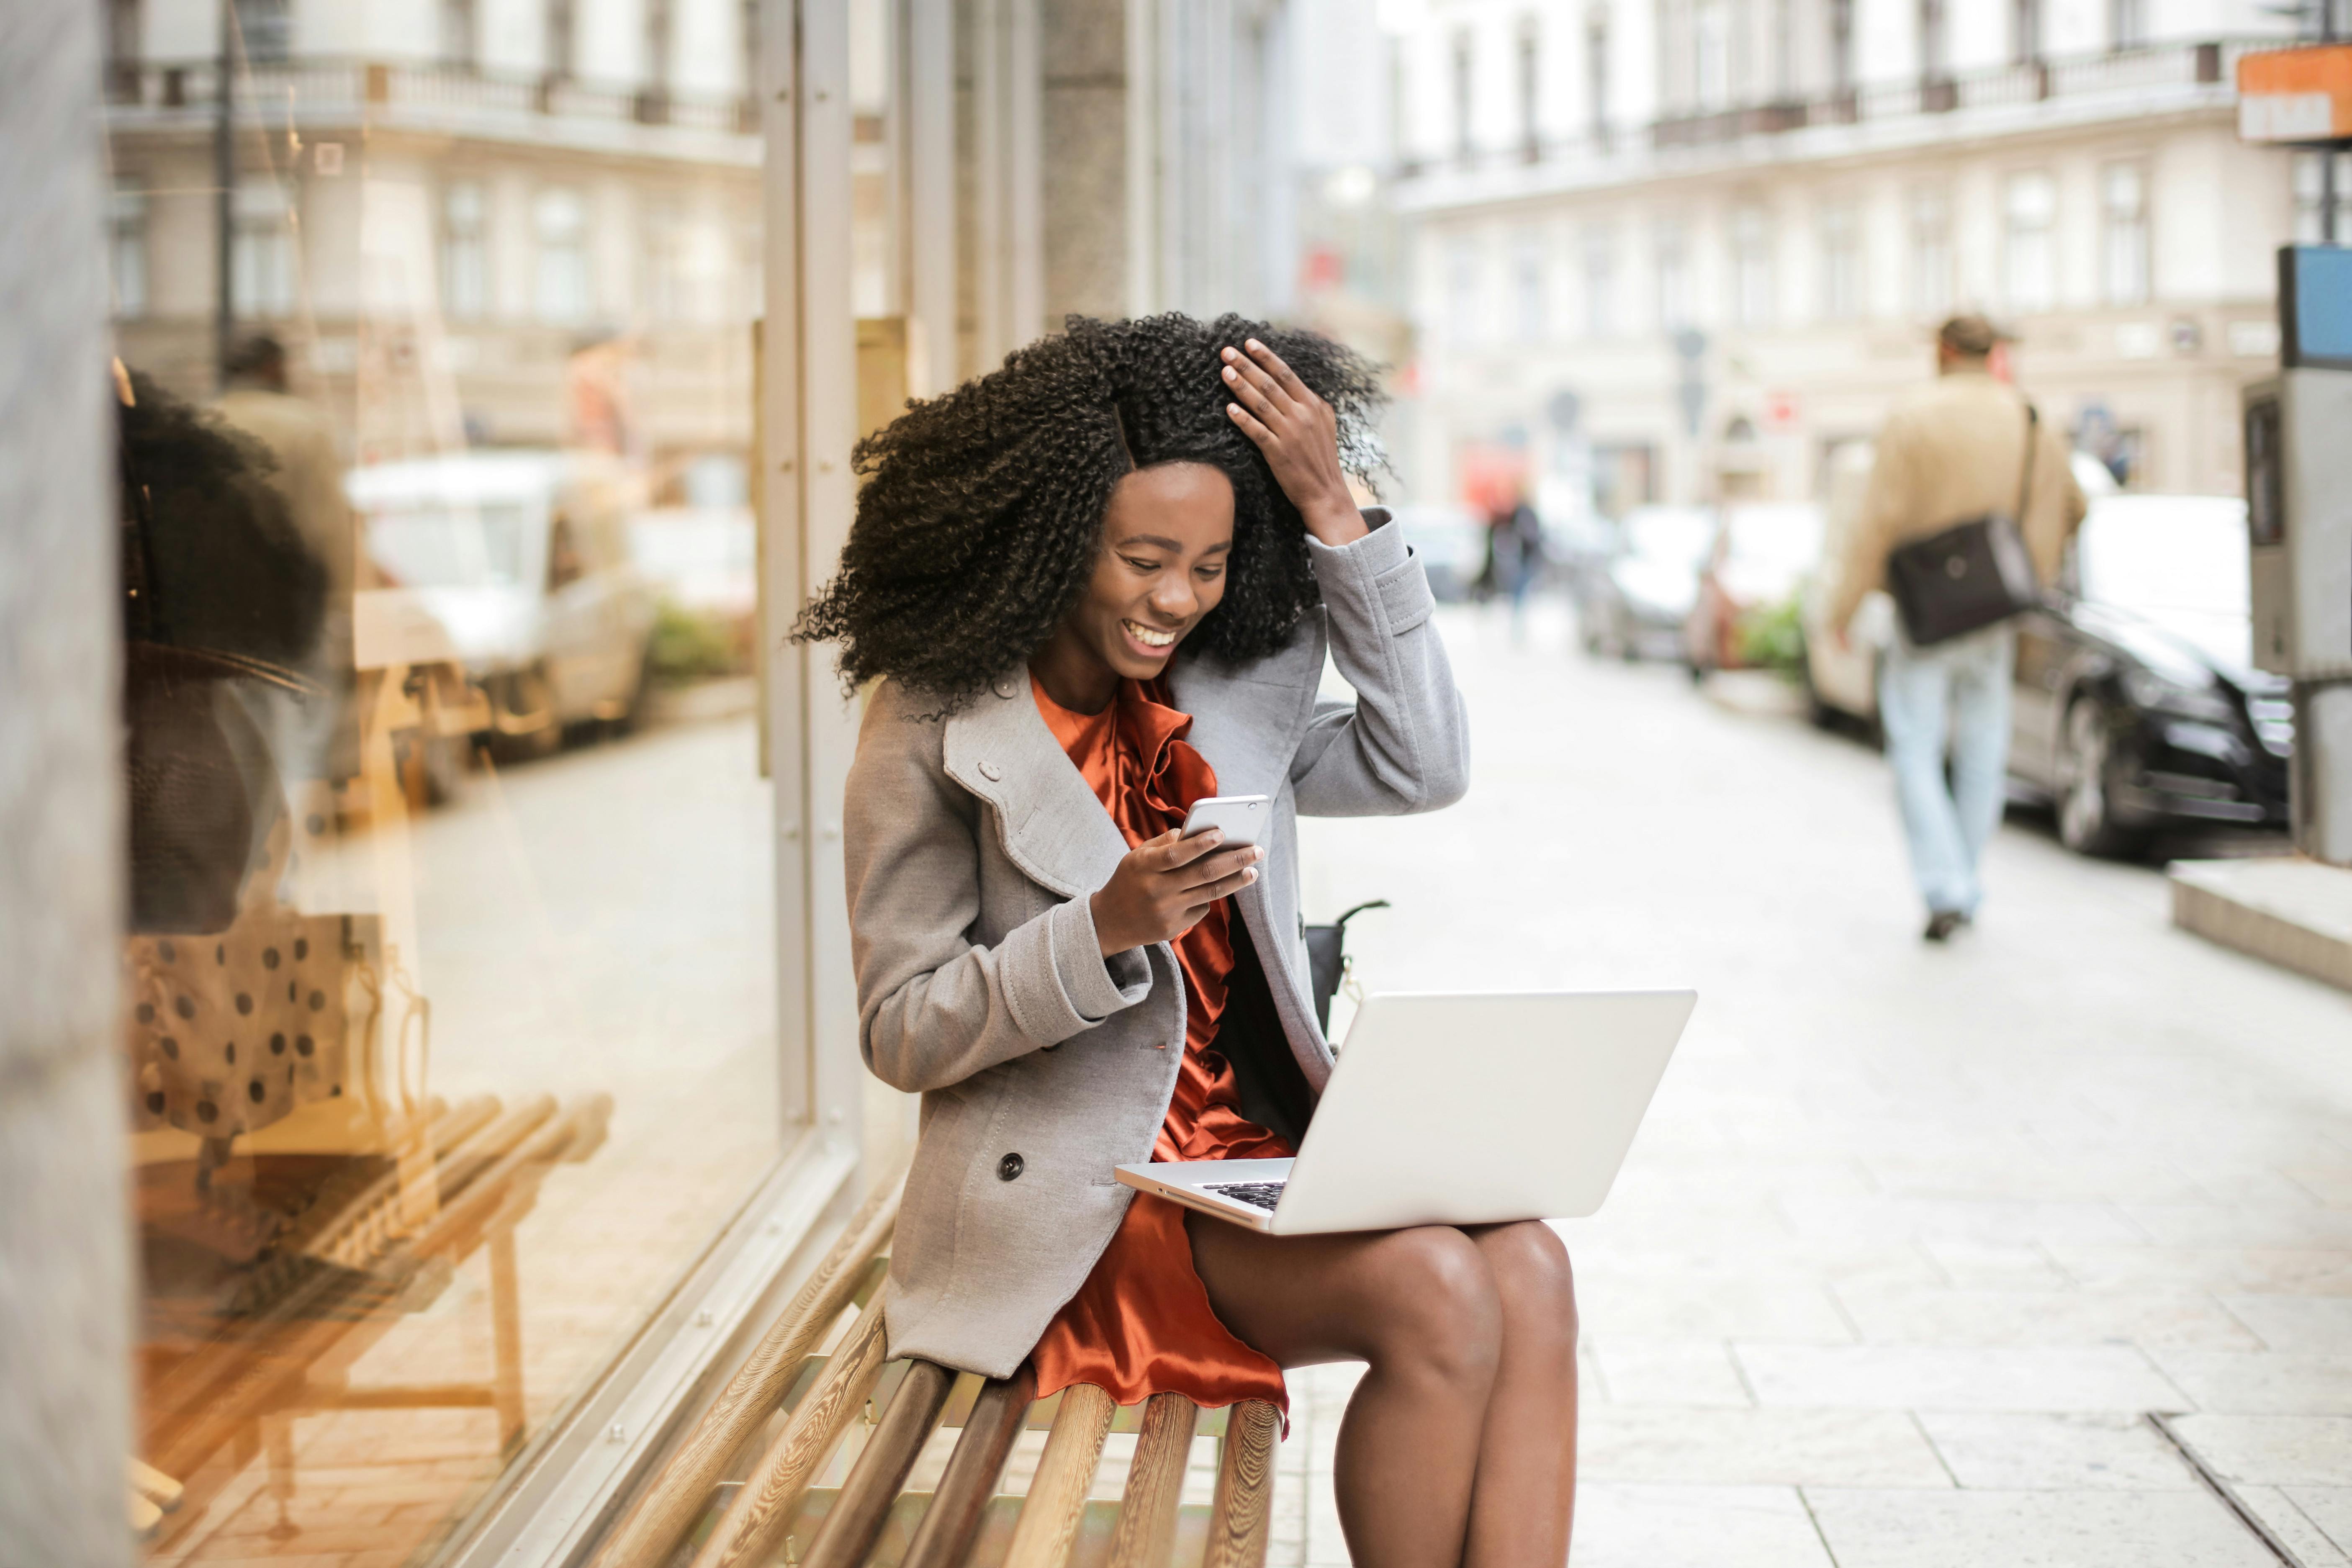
(973, 846)
(1952, 450)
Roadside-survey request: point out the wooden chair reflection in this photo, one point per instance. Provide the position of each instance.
(710, 1509)
(318, 1308)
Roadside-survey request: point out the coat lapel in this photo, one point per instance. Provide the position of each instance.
(1053, 828)
(1246, 722)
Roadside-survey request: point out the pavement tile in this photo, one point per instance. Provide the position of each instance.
(1908, 1377)
(1719, 1308)
(1909, 1315)
(2329, 1507)
(2034, 1530)
(1623, 1526)
(2293, 1525)
(2309, 1271)
(1992, 1266)
(2330, 1185)
(2003, 1221)
(1998, 1451)
(1669, 1372)
(2262, 1384)
(1756, 1447)
(2241, 1224)
(2320, 1324)
(2272, 1450)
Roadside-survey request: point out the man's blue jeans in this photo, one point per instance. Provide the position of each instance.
(1959, 689)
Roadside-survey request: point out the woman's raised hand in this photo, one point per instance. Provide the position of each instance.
(1299, 435)
(1164, 885)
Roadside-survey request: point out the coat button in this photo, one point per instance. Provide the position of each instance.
(1009, 1168)
(991, 772)
(1005, 690)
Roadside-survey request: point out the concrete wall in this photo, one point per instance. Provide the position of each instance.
(65, 1253)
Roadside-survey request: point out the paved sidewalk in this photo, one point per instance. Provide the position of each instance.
(1913, 1238)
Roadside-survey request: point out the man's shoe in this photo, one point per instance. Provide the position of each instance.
(1943, 923)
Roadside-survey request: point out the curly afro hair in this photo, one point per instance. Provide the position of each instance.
(981, 515)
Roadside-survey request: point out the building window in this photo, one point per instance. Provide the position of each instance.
(1463, 300)
(1463, 61)
(559, 221)
(1599, 283)
(1935, 56)
(459, 33)
(1751, 267)
(1672, 246)
(1841, 263)
(2029, 260)
(2024, 31)
(1842, 46)
(126, 249)
(263, 29)
(660, 30)
(123, 19)
(465, 252)
(1530, 68)
(1528, 305)
(2127, 23)
(261, 251)
(560, 57)
(1596, 76)
(1711, 54)
(2310, 201)
(2122, 201)
(1931, 251)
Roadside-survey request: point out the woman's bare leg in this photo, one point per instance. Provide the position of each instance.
(1420, 1308)
(1524, 1497)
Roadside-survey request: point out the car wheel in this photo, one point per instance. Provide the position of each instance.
(2083, 784)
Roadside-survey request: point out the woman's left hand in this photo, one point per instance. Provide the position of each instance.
(1300, 438)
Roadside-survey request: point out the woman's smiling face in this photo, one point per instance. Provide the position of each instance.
(1166, 535)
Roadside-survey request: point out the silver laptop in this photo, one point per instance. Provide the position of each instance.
(1456, 1109)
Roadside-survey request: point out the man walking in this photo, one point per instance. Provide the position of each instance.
(1951, 451)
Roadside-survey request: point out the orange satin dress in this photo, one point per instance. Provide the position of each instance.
(1141, 1324)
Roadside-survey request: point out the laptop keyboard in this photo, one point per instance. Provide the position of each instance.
(1257, 1194)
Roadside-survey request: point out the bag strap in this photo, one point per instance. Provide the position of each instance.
(2025, 480)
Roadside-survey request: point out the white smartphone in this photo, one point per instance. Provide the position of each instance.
(1241, 817)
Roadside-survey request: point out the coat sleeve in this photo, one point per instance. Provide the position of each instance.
(1886, 504)
(934, 1007)
(1403, 745)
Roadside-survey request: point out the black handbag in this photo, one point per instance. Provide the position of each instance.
(1973, 574)
(1326, 960)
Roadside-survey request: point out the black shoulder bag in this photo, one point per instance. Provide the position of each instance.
(1973, 574)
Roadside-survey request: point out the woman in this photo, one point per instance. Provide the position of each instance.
(1097, 585)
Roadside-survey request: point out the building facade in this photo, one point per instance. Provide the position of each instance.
(1684, 249)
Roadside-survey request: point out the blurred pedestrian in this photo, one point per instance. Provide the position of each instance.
(1514, 544)
(1965, 447)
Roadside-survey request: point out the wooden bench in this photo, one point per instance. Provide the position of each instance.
(725, 1500)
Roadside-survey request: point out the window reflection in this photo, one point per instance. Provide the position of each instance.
(450, 999)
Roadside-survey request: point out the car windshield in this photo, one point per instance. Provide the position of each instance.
(1676, 534)
(448, 545)
(1787, 539)
(2177, 561)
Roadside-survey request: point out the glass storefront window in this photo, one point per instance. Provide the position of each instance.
(452, 1017)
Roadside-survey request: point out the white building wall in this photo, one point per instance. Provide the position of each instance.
(512, 34)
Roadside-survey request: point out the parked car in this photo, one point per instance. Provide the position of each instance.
(1452, 543)
(1842, 682)
(1748, 587)
(517, 566)
(2137, 705)
(1638, 604)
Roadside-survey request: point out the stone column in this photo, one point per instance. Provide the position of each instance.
(65, 1254)
(1083, 58)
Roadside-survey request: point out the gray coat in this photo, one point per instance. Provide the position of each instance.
(973, 846)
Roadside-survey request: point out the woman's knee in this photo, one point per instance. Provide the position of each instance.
(1442, 1314)
(1534, 1282)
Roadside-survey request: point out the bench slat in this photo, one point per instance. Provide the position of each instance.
(1241, 1520)
(1058, 1495)
(857, 1515)
(752, 1532)
(669, 1507)
(1155, 1483)
(952, 1521)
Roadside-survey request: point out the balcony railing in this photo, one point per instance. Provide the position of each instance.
(377, 88)
(2117, 74)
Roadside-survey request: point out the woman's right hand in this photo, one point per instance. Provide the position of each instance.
(1164, 885)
